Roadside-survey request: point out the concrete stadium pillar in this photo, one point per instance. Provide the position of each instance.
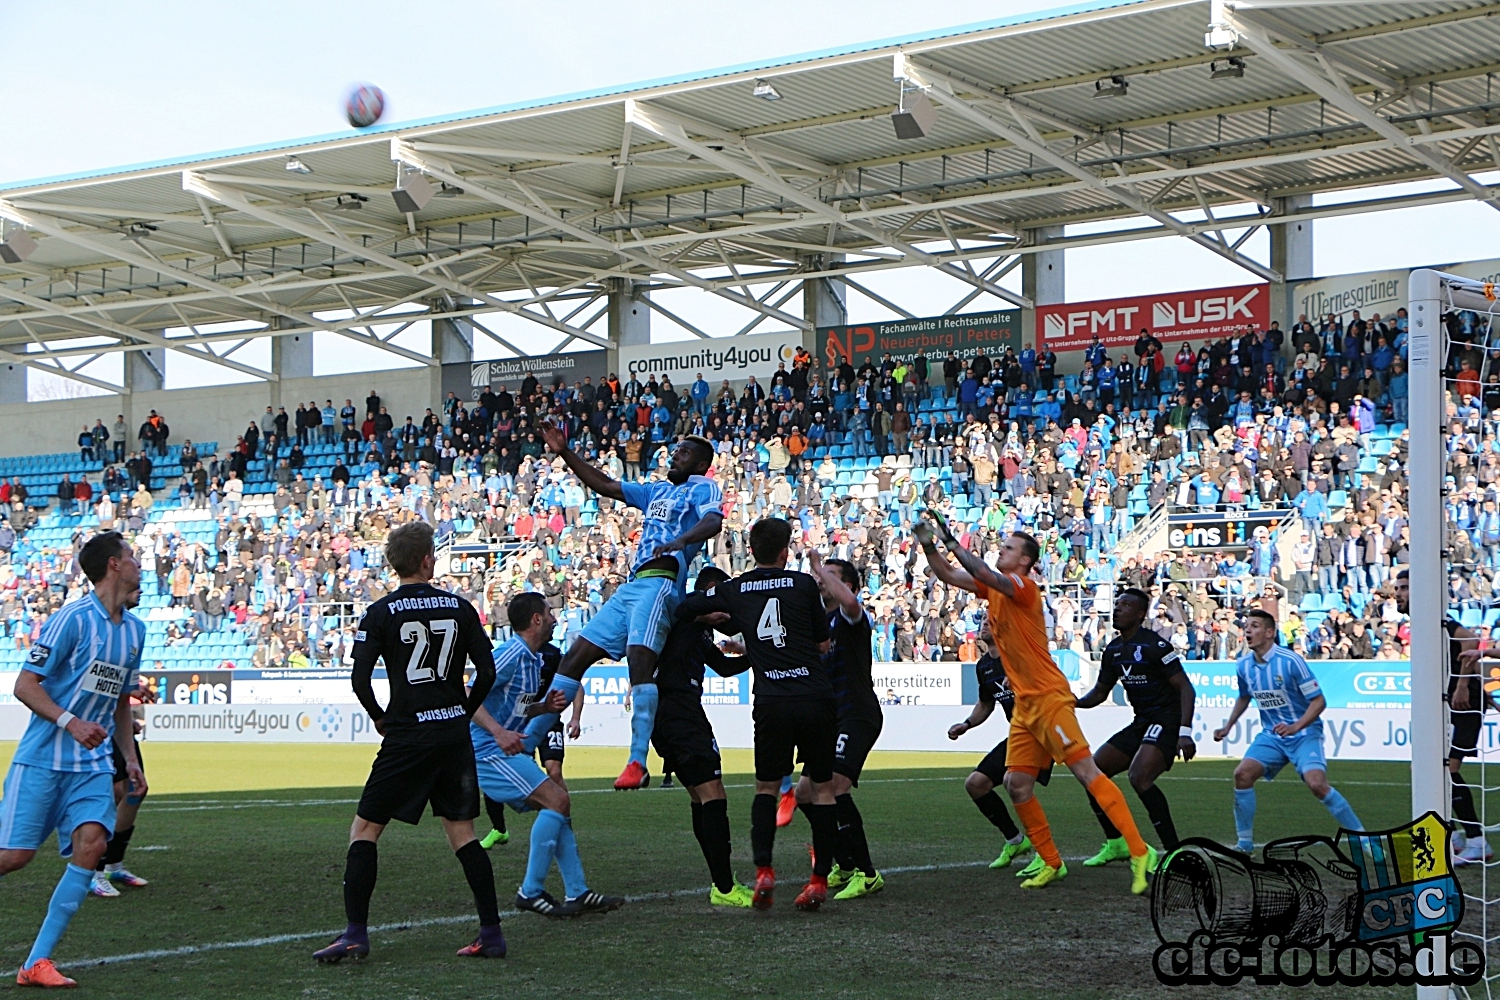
(824, 301)
(629, 319)
(146, 370)
(452, 344)
(291, 357)
(1292, 255)
(12, 383)
(1043, 278)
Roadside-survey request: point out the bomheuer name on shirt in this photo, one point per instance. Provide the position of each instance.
(781, 675)
(440, 714)
(775, 583)
(422, 603)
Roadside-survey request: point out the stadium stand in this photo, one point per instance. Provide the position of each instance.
(263, 555)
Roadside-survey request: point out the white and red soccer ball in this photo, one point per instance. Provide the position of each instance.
(365, 105)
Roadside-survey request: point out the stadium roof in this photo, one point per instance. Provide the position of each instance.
(1105, 110)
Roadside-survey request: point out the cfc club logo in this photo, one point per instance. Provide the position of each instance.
(1373, 909)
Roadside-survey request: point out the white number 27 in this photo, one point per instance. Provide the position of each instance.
(769, 627)
(417, 670)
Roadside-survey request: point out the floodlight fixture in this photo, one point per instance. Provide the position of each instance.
(1111, 86)
(765, 91)
(17, 247)
(412, 193)
(914, 116)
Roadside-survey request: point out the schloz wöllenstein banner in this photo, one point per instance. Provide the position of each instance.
(1202, 314)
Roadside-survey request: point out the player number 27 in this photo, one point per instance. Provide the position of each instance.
(769, 628)
(417, 670)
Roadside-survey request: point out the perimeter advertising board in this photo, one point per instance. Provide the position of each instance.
(1203, 314)
(970, 335)
(718, 358)
(468, 381)
(1370, 292)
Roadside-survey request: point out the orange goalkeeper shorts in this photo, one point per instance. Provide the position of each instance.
(1045, 729)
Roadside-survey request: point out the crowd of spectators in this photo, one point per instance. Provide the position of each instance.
(1309, 423)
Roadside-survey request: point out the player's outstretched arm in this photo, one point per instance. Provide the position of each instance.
(977, 568)
(939, 564)
(506, 740)
(477, 644)
(848, 600)
(696, 605)
(587, 474)
(1100, 691)
(366, 652)
(982, 711)
(1240, 704)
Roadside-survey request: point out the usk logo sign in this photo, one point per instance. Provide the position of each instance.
(1375, 909)
(1197, 315)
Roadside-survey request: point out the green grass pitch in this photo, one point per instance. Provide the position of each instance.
(245, 882)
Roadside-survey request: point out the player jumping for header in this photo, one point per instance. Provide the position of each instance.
(680, 515)
(77, 682)
(1044, 728)
(1290, 703)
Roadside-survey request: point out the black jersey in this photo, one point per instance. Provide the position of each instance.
(1144, 666)
(780, 615)
(551, 660)
(688, 650)
(993, 684)
(423, 634)
(1455, 645)
(848, 661)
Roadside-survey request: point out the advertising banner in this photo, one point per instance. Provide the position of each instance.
(1204, 314)
(259, 724)
(718, 358)
(919, 683)
(1219, 529)
(468, 381)
(970, 335)
(190, 687)
(1370, 292)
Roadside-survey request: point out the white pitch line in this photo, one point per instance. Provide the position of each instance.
(259, 942)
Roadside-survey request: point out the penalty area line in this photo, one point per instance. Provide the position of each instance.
(406, 925)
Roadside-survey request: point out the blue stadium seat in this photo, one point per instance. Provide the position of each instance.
(1472, 618)
(1312, 602)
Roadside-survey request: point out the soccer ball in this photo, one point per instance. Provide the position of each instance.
(365, 106)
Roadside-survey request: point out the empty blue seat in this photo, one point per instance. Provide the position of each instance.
(1312, 602)
(1472, 618)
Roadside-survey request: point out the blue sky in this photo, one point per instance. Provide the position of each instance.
(94, 84)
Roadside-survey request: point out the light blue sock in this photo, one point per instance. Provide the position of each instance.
(786, 784)
(536, 729)
(1342, 810)
(70, 893)
(568, 861)
(643, 699)
(545, 830)
(1244, 815)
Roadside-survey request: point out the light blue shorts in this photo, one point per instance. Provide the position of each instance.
(510, 779)
(638, 614)
(1305, 753)
(38, 800)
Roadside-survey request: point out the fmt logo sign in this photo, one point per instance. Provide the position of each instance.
(1206, 314)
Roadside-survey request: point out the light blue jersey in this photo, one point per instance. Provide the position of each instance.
(1282, 687)
(670, 511)
(518, 675)
(86, 661)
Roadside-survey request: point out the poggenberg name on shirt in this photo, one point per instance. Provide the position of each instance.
(1282, 687)
(86, 662)
(670, 510)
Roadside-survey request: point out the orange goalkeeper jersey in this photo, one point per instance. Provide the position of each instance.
(1020, 633)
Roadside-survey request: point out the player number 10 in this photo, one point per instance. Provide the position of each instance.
(417, 670)
(769, 628)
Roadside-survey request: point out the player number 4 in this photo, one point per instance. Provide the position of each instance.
(417, 670)
(769, 628)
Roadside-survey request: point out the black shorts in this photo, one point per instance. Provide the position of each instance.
(684, 740)
(1466, 725)
(1160, 731)
(117, 759)
(993, 766)
(553, 747)
(405, 777)
(789, 730)
(857, 736)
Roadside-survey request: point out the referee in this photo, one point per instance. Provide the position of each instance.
(1467, 702)
(423, 635)
(780, 614)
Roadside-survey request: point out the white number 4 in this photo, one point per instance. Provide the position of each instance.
(769, 627)
(417, 670)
